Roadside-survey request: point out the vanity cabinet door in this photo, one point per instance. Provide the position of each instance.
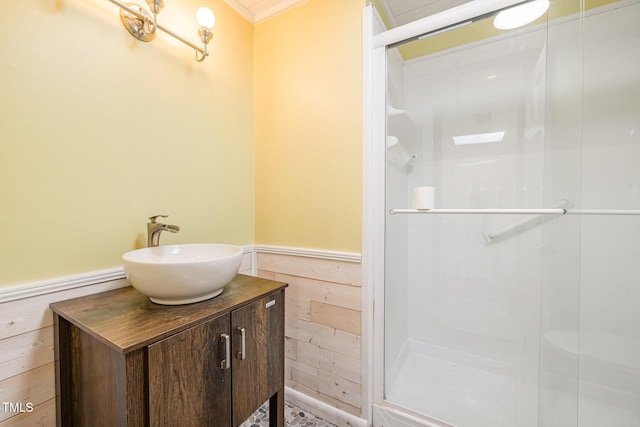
(258, 366)
(188, 384)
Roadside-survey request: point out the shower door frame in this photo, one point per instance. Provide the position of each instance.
(373, 195)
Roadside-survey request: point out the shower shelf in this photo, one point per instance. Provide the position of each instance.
(517, 211)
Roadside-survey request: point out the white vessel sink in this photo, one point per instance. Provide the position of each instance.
(182, 274)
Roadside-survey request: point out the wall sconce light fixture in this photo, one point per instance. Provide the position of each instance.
(143, 24)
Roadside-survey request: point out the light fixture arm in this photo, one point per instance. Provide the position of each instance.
(201, 54)
(154, 27)
(134, 18)
(155, 6)
(205, 36)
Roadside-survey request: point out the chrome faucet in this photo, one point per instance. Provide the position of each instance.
(155, 228)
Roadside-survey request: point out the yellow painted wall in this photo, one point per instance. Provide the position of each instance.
(99, 131)
(308, 126)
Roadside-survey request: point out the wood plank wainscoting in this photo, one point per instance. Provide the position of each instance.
(322, 330)
(322, 336)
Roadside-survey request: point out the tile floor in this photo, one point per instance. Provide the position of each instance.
(293, 416)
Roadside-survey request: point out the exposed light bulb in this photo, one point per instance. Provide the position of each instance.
(521, 15)
(205, 17)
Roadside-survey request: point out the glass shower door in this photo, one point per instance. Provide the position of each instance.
(467, 296)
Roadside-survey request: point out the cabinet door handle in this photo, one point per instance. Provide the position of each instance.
(226, 362)
(242, 353)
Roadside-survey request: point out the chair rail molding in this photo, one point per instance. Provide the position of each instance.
(59, 284)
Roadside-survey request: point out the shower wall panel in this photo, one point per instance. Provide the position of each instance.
(609, 339)
(474, 291)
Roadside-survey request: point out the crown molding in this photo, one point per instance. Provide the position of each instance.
(242, 11)
(262, 10)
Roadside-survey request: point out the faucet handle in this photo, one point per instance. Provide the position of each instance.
(153, 218)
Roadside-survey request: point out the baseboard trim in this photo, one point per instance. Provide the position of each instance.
(323, 410)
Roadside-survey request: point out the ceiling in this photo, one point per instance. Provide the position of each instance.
(259, 10)
(396, 12)
(400, 12)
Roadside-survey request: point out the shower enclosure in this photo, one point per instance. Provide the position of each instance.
(485, 316)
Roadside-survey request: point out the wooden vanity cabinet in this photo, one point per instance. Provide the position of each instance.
(125, 361)
(186, 381)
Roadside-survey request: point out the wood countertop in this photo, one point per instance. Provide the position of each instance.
(127, 320)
